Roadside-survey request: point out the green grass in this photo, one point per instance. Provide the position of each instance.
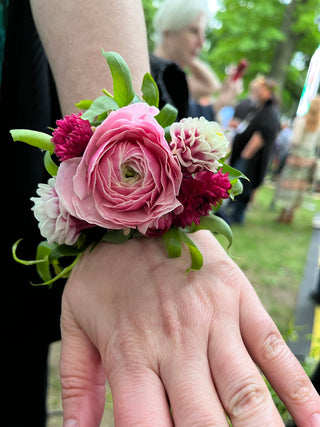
(273, 255)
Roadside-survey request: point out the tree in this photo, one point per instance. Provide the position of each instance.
(270, 35)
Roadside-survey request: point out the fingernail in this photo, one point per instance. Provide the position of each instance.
(71, 423)
(315, 420)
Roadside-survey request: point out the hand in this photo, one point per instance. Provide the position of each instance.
(131, 314)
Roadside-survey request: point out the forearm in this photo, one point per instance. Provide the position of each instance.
(253, 146)
(73, 36)
(202, 81)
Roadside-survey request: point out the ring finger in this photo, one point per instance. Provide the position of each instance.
(239, 384)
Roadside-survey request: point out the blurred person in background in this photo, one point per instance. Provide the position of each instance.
(180, 41)
(297, 174)
(251, 147)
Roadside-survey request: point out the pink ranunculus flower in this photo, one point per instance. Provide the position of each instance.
(55, 223)
(198, 144)
(127, 177)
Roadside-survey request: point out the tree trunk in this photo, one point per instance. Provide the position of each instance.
(286, 48)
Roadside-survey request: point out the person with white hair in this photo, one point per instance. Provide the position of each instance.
(180, 27)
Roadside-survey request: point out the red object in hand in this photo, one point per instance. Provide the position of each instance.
(241, 67)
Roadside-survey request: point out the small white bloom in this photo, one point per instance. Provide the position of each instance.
(198, 144)
(55, 223)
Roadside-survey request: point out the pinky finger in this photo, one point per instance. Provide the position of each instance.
(284, 372)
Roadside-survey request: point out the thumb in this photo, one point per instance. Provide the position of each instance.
(82, 378)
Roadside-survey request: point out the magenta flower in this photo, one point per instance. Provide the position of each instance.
(160, 226)
(71, 136)
(198, 144)
(198, 194)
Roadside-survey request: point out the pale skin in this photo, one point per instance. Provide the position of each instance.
(131, 315)
(183, 47)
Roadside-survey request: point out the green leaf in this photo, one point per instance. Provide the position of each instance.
(215, 224)
(233, 173)
(50, 165)
(84, 104)
(123, 91)
(196, 256)
(99, 106)
(116, 236)
(236, 189)
(150, 90)
(167, 115)
(43, 252)
(36, 139)
(172, 240)
(64, 273)
(22, 261)
(60, 251)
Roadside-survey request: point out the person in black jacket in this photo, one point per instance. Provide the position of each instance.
(252, 147)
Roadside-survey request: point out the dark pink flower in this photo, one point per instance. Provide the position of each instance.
(198, 194)
(161, 226)
(71, 136)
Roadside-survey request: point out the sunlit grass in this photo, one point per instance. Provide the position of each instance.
(273, 255)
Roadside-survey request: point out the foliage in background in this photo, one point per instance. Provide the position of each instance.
(277, 37)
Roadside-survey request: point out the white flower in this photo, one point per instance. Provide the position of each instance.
(198, 144)
(55, 223)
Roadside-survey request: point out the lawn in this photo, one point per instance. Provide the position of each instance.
(273, 257)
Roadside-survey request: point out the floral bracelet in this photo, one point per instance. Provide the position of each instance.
(121, 169)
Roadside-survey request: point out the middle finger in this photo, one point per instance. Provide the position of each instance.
(191, 392)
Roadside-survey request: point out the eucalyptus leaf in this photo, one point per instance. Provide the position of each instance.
(36, 139)
(50, 165)
(150, 90)
(172, 240)
(167, 115)
(99, 106)
(123, 91)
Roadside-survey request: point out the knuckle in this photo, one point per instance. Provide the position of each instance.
(247, 400)
(299, 391)
(73, 387)
(272, 346)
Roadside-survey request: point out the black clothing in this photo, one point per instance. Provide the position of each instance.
(28, 99)
(172, 84)
(173, 89)
(31, 319)
(266, 122)
(244, 107)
